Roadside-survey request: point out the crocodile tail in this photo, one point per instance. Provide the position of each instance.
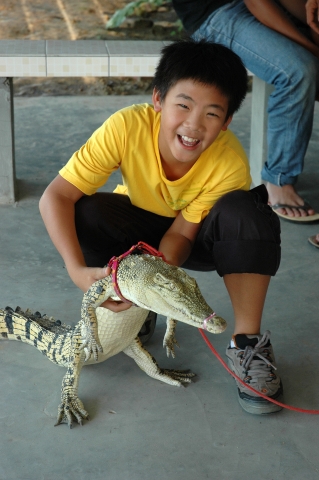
(39, 331)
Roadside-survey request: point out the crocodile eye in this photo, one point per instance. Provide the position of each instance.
(160, 279)
(165, 282)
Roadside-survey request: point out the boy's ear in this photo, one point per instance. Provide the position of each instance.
(156, 99)
(225, 126)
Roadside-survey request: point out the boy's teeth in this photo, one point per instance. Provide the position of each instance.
(189, 139)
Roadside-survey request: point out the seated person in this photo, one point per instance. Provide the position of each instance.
(185, 192)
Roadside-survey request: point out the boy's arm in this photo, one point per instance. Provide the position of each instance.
(268, 13)
(178, 241)
(57, 210)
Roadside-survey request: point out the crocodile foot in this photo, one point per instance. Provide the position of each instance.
(70, 410)
(169, 344)
(176, 377)
(91, 346)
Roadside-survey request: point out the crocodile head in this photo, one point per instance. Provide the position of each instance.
(151, 283)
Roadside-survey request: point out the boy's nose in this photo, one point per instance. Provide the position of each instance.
(193, 122)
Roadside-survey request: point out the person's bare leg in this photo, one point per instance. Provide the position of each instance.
(247, 292)
(287, 195)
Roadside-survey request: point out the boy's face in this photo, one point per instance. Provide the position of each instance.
(192, 116)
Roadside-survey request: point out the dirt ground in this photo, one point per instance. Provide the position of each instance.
(81, 19)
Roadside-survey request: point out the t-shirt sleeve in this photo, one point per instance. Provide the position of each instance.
(231, 172)
(90, 167)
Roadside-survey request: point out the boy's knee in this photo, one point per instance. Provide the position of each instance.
(233, 202)
(247, 215)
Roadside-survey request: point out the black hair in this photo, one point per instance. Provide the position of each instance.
(203, 62)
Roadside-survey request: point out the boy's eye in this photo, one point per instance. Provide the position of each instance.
(211, 114)
(182, 105)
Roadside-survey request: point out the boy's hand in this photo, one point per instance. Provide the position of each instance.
(84, 277)
(115, 305)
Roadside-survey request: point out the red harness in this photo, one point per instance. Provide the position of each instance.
(115, 261)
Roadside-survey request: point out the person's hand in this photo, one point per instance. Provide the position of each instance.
(115, 305)
(84, 277)
(312, 12)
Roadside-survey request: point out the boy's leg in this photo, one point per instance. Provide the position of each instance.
(241, 237)
(294, 73)
(247, 308)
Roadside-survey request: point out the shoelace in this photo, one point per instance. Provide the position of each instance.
(257, 367)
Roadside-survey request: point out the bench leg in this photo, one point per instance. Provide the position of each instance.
(7, 163)
(258, 135)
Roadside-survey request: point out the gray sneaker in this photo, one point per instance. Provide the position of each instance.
(253, 361)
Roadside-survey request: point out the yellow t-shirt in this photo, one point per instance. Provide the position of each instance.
(129, 140)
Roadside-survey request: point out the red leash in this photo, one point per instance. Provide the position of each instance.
(289, 407)
(145, 248)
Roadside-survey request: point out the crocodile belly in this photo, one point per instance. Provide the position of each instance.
(117, 330)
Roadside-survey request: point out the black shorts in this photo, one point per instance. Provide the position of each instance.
(241, 234)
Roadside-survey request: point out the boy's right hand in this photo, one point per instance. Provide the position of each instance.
(84, 277)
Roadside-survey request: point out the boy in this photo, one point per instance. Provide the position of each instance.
(185, 191)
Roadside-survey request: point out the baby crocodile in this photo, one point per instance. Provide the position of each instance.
(149, 283)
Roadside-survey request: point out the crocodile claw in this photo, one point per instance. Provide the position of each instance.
(169, 344)
(177, 377)
(70, 410)
(91, 346)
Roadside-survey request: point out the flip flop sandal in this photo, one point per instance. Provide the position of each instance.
(305, 206)
(313, 241)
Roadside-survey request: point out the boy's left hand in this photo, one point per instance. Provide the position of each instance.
(84, 277)
(113, 305)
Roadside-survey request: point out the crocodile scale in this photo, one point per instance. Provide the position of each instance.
(149, 283)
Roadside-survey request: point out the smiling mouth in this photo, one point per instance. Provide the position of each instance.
(188, 141)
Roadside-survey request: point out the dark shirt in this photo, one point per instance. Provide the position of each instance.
(194, 12)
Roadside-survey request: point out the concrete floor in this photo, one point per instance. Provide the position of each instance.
(141, 429)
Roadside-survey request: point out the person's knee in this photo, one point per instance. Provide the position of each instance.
(304, 74)
(248, 215)
(232, 202)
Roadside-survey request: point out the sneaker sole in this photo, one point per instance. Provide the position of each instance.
(261, 407)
